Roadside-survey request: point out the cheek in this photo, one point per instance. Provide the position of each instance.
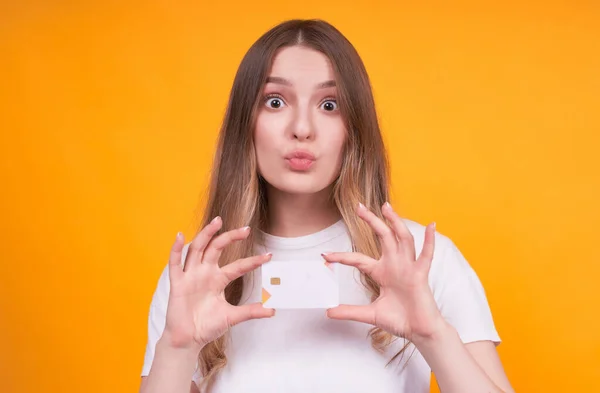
(267, 127)
(266, 143)
(334, 138)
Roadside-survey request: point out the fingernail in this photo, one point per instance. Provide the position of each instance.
(433, 225)
(215, 219)
(178, 235)
(324, 254)
(268, 255)
(361, 206)
(387, 204)
(245, 229)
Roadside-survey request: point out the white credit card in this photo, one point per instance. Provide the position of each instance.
(300, 284)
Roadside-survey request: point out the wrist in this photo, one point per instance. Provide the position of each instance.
(441, 332)
(171, 343)
(173, 367)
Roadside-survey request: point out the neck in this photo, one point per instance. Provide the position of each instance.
(293, 215)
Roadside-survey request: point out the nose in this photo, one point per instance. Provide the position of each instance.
(302, 128)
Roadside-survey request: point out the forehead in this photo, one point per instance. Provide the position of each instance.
(298, 63)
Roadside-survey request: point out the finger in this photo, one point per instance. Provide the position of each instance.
(426, 255)
(384, 232)
(215, 246)
(404, 235)
(200, 242)
(175, 267)
(360, 261)
(365, 314)
(247, 312)
(242, 266)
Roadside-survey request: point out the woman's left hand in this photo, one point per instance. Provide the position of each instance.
(405, 307)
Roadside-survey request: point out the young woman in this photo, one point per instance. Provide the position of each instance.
(300, 173)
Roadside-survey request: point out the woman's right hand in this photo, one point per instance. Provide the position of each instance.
(197, 311)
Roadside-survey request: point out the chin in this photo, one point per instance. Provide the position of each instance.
(299, 183)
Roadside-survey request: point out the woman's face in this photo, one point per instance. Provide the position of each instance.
(299, 131)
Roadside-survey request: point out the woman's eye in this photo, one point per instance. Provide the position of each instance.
(329, 105)
(274, 102)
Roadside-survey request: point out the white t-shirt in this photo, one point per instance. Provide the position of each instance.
(304, 351)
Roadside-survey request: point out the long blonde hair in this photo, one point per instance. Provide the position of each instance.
(237, 192)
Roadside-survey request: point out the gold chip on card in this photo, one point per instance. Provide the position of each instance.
(275, 281)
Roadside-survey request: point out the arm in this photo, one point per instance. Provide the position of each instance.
(406, 307)
(172, 369)
(463, 304)
(193, 387)
(486, 356)
(457, 367)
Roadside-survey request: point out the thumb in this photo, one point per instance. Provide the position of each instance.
(363, 314)
(246, 312)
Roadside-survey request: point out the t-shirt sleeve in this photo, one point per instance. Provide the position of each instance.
(460, 295)
(157, 317)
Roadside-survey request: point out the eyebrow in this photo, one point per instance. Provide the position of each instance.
(282, 81)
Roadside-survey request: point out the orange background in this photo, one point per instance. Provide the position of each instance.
(110, 111)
